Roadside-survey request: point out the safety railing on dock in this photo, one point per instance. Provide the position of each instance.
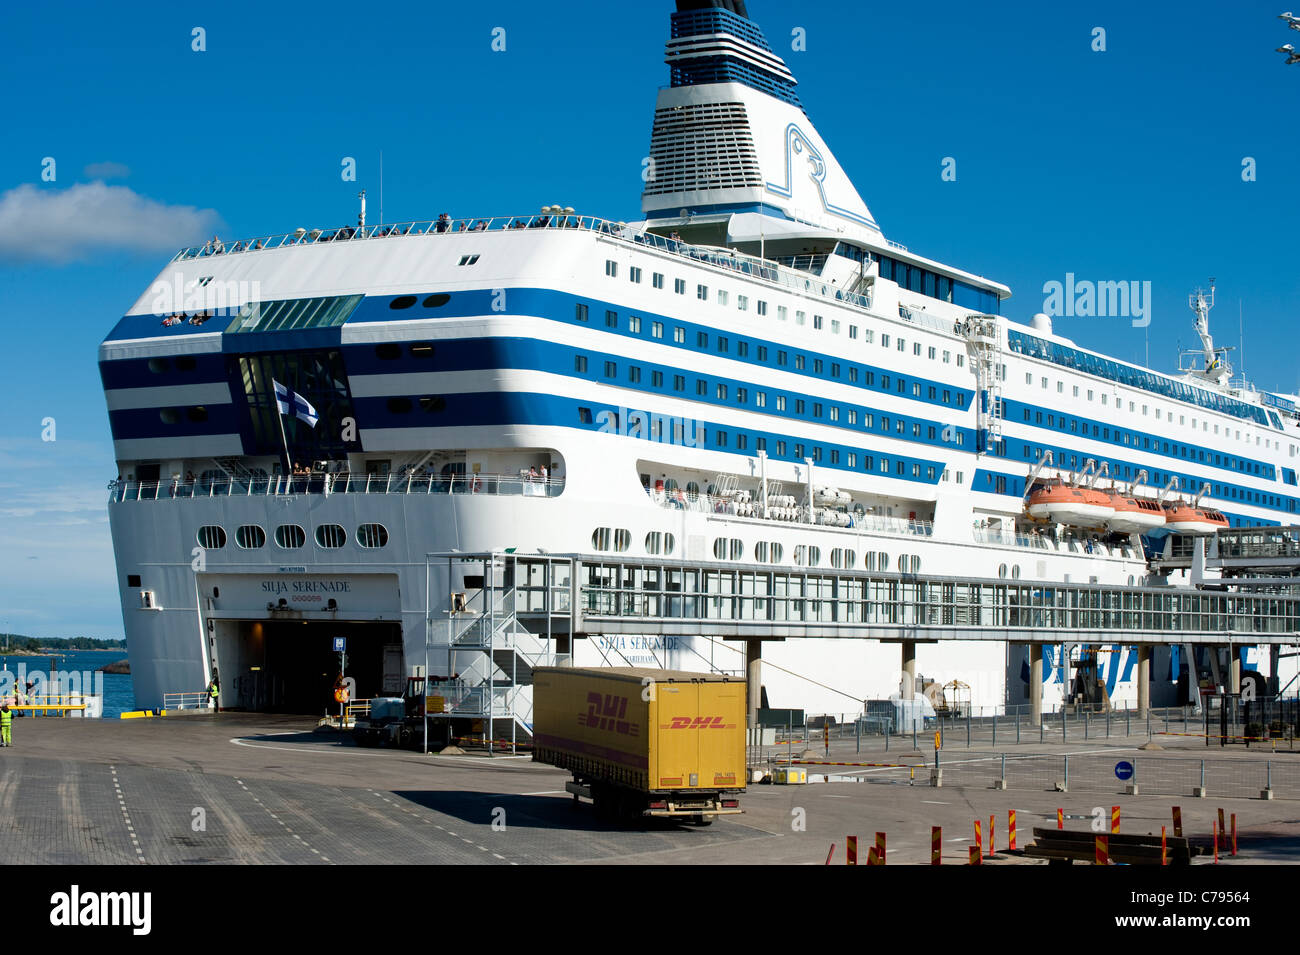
(187, 700)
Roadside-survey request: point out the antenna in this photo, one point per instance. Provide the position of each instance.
(381, 187)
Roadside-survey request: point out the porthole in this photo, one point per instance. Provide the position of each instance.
(211, 537)
(1002, 570)
(372, 535)
(432, 404)
(1015, 571)
(250, 536)
(775, 554)
(399, 405)
(437, 300)
(600, 538)
(290, 536)
(158, 365)
(622, 540)
(692, 491)
(331, 536)
(169, 415)
(388, 351)
(670, 543)
(402, 301)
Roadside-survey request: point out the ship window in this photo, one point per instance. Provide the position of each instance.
(432, 404)
(133, 580)
(388, 351)
(611, 268)
(331, 536)
(622, 540)
(211, 537)
(290, 536)
(169, 415)
(372, 535)
(402, 301)
(184, 363)
(437, 300)
(580, 312)
(250, 536)
(399, 405)
(468, 259)
(197, 413)
(158, 365)
(600, 538)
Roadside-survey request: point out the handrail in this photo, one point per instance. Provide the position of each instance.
(342, 482)
(705, 503)
(764, 269)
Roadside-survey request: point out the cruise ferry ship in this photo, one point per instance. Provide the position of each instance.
(749, 374)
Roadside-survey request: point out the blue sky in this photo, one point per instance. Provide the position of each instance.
(1117, 165)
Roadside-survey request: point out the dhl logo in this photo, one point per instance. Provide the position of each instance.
(697, 723)
(608, 712)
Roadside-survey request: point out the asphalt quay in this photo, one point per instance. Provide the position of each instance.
(261, 789)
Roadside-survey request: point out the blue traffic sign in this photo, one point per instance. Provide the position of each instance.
(1124, 769)
(340, 644)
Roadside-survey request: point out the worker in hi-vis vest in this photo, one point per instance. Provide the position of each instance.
(6, 724)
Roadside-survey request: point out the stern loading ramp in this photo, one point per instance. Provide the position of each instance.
(573, 596)
(289, 666)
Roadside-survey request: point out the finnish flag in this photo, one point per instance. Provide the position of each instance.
(290, 402)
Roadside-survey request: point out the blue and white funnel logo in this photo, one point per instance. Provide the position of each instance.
(797, 146)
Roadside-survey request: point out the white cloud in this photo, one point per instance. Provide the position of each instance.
(107, 170)
(63, 225)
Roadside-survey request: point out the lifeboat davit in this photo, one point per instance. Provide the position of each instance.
(1076, 506)
(1134, 514)
(1183, 518)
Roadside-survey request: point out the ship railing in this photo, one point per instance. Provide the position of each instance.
(764, 269)
(344, 482)
(986, 535)
(703, 503)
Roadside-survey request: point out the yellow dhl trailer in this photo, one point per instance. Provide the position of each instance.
(644, 742)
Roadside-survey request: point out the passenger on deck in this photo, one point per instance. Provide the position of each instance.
(444, 222)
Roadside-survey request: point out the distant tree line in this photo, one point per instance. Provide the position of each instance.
(16, 641)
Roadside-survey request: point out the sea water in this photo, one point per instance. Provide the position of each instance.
(119, 693)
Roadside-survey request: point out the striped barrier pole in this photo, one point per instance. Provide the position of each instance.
(1060, 818)
(975, 857)
(1178, 822)
(851, 850)
(829, 854)
(1216, 842)
(992, 849)
(936, 845)
(880, 848)
(1222, 827)
(872, 858)
(1234, 834)
(979, 838)
(1102, 852)
(1114, 820)
(1011, 830)
(1164, 848)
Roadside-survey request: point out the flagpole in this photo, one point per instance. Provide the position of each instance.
(279, 416)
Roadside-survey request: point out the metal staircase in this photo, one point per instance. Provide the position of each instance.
(499, 683)
(984, 346)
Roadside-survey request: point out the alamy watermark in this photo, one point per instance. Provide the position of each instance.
(1085, 298)
(665, 429)
(38, 686)
(202, 294)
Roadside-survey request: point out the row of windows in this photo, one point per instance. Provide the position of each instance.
(291, 536)
(1168, 415)
(656, 328)
(1131, 376)
(915, 278)
(1147, 443)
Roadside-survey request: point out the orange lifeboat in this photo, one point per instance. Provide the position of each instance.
(1065, 504)
(1183, 518)
(1134, 514)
